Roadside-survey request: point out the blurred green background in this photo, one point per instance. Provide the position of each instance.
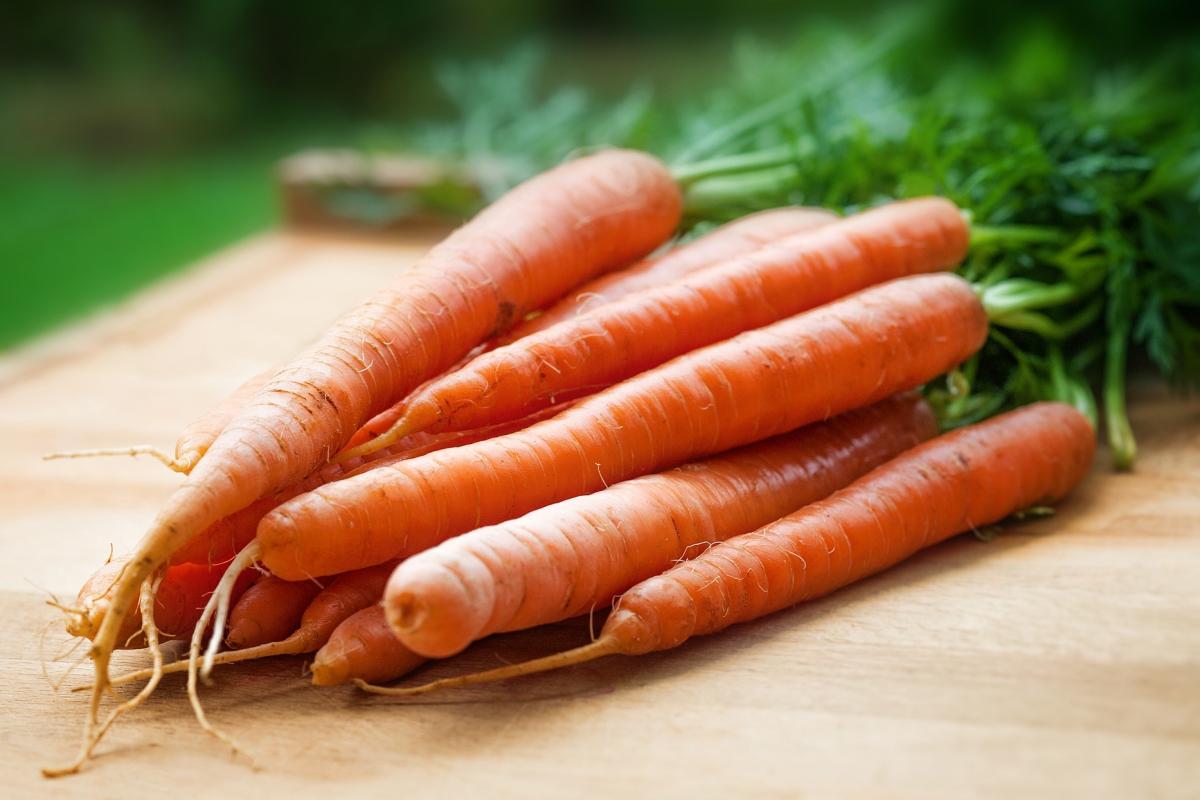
(138, 136)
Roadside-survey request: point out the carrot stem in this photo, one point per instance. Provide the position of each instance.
(740, 164)
(723, 136)
(986, 235)
(1120, 433)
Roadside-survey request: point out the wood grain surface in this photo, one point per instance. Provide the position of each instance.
(1061, 660)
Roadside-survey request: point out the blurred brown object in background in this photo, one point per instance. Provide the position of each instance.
(356, 191)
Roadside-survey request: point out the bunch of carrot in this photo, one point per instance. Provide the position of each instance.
(541, 419)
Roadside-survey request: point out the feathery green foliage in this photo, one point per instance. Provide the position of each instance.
(1083, 185)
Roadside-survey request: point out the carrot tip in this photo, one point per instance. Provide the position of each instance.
(400, 428)
(597, 649)
(181, 465)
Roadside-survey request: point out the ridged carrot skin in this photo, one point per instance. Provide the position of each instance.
(199, 434)
(363, 647)
(729, 241)
(553, 232)
(270, 610)
(344, 596)
(223, 539)
(960, 481)
(574, 557)
(643, 330)
(845, 355)
(732, 240)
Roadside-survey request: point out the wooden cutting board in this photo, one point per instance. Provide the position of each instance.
(1061, 660)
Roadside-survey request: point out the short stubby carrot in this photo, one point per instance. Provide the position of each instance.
(269, 610)
(182, 593)
(341, 598)
(731, 240)
(841, 356)
(575, 556)
(363, 647)
(960, 481)
(629, 336)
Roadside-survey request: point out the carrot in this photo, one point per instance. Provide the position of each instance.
(384, 420)
(270, 610)
(737, 237)
(728, 241)
(624, 338)
(547, 235)
(733, 239)
(363, 647)
(572, 557)
(341, 598)
(196, 438)
(847, 354)
(181, 596)
(224, 538)
(199, 435)
(960, 481)
(83, 619)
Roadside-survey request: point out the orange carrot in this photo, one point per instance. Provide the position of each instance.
(847, 354)
(223, 539)
(269, 610)
(624, 338)
(573, 557)
(341, 598)
(384, 420)
(363, 647)
(729, 241)
(547, 235)
(960, 481)
(199, 435)
(181, 596)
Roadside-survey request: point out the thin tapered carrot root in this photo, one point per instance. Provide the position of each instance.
(292, 646)
(218, 606)
(180, 465)
(400, 428)
(92, 736)
(568, 658)
(221, 600)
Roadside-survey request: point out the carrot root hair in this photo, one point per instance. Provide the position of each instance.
(568, 658)
(218, 607)
(180, 465)
(93, 734)
(291, 646)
